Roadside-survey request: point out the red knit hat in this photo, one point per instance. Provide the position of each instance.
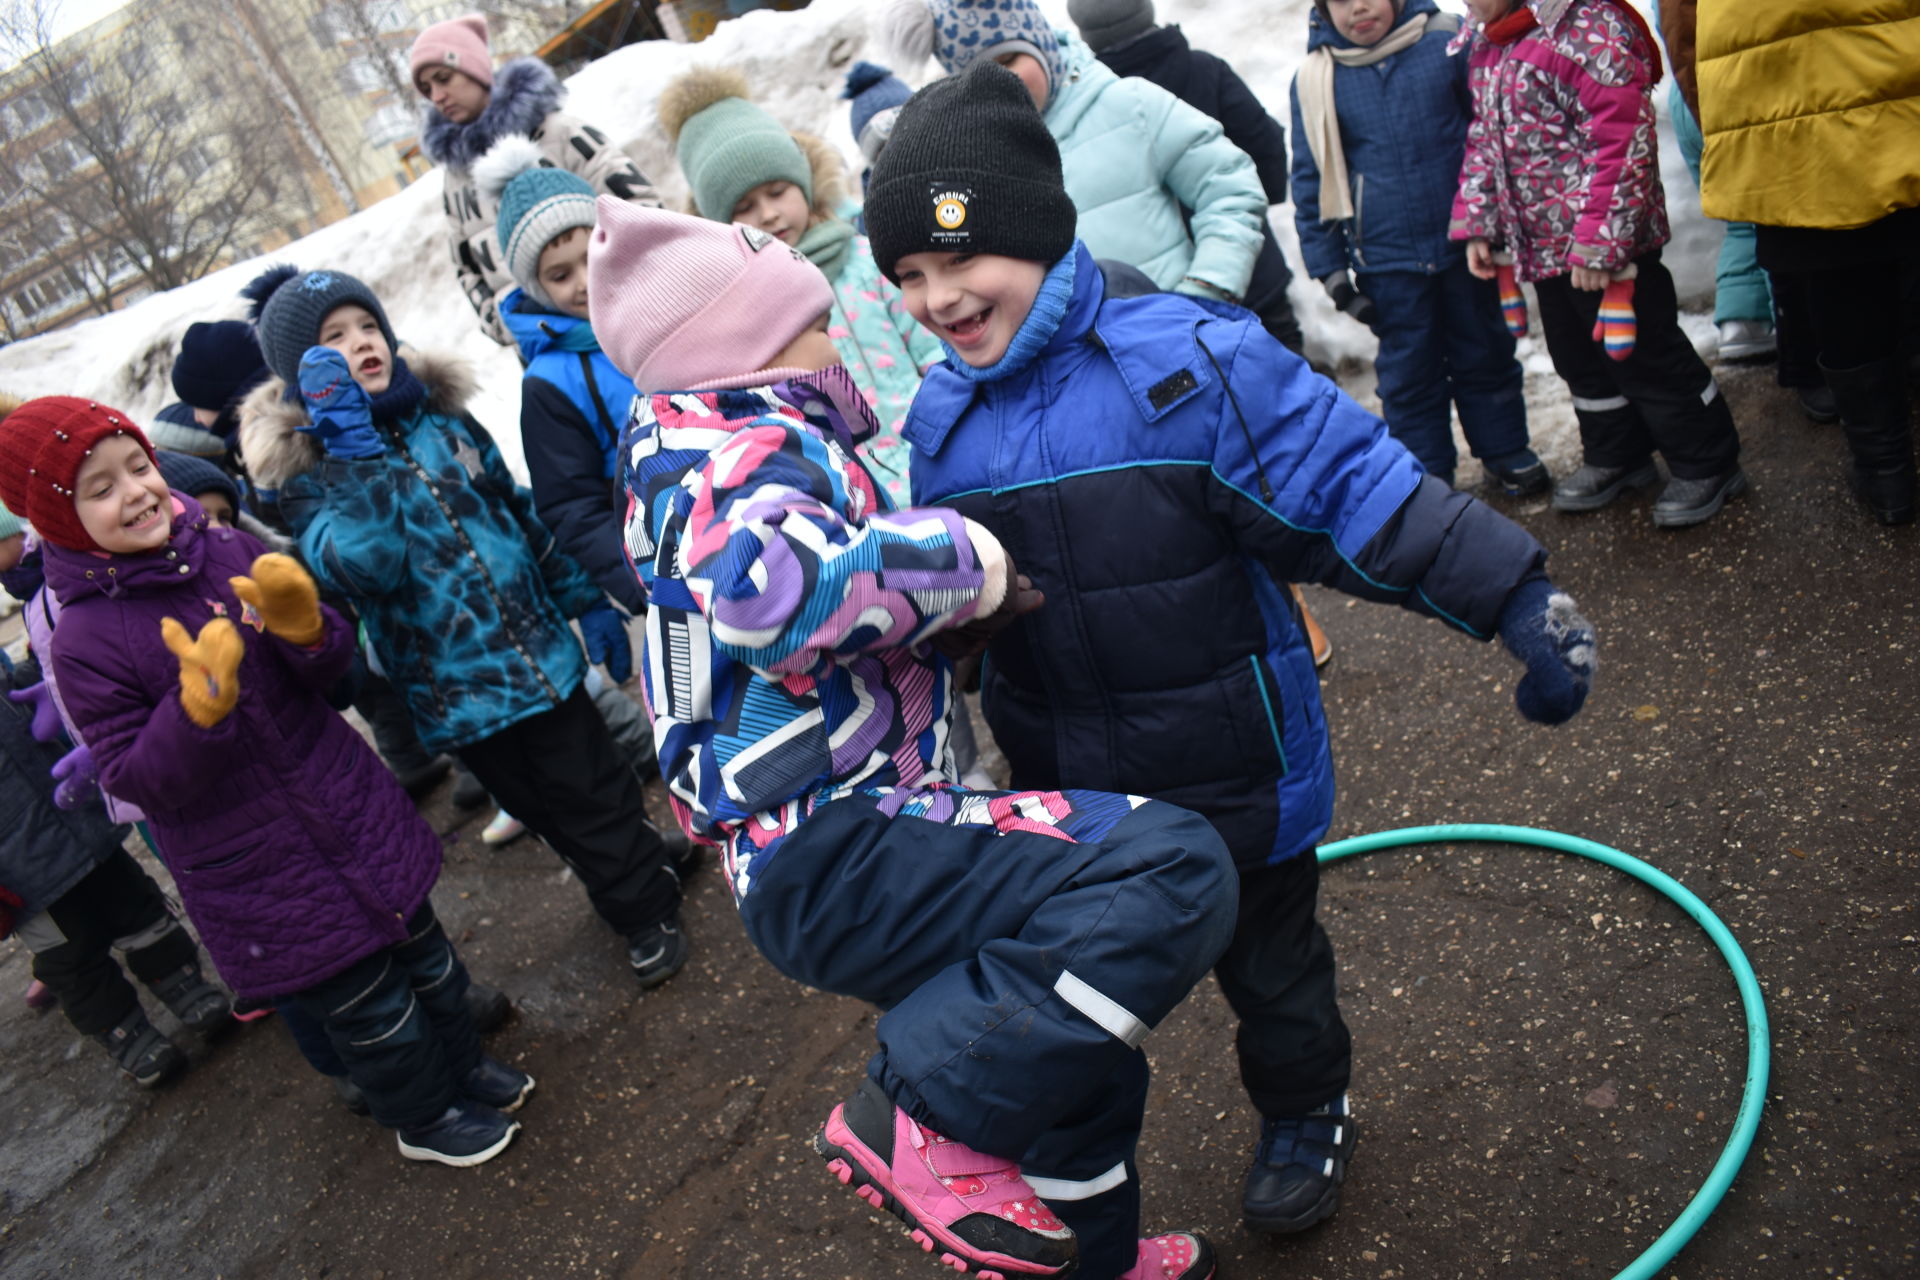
(43, 445)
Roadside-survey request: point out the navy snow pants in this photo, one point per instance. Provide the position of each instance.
(1022, 945)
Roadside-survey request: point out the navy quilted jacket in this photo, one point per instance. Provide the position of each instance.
(1403, 122)
(294, 850)
(1163, 526)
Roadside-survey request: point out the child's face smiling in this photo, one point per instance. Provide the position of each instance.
(778, 208)
(355, 334)
(974, 303)
(563, 271)
(121, 499)
(1031, 74)
(454, 94)
(1365, 22)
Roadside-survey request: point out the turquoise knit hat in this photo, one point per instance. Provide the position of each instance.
(538, 203)
(726, 145)
(9, 522)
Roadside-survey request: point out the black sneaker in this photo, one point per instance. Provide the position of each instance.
(658, 951)
(467, 791)
(487, 1006)
(137, 1048)
(1519, 475)
(1818, 404)
(201, 1007)
(1591, 488)
(495, 1084)
(1685, 502)
(1297, 1169)
(466, 1134)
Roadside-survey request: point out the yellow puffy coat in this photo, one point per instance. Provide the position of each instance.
(1811, 110)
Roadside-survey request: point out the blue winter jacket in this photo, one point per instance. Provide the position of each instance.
(1403, 123)
(463, 592)
(573, 404)
(1118, 471)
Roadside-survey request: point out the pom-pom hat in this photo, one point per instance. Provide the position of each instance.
(43, 445)
(288, 306)
(877, 96)
(726, 145)
(538, 203)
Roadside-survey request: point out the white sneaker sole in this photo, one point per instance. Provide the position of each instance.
(412, 1152)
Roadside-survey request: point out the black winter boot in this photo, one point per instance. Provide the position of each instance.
(137, 1048)
(1875, 414)
(201, 1007)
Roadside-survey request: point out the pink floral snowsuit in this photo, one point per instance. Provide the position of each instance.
(1561, 166)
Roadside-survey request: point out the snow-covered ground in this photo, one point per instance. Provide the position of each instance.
(796, 62)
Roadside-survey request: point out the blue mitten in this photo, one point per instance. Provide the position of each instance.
(46, 726)
(342, 416)
(78, 776)
(606, 634)
(1543, 628)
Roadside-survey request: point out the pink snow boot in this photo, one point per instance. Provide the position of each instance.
(975, 1208)
(1178, 1255)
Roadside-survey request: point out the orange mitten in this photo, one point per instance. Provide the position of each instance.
(209, 668)
(288, 602)
(1513, 303)
(1615, 328)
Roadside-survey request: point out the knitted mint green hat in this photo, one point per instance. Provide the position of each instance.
(726, 145)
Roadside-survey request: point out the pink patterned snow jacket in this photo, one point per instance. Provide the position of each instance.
(1561, 167)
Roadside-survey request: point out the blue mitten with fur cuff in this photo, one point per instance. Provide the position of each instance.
(1543, 628)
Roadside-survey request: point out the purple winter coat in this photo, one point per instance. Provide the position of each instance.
(295, 851)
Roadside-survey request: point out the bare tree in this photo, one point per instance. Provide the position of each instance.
(147, 165)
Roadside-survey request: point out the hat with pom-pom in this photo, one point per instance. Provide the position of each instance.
(877, 96)
(288, 306)
(960, 32)
(537, 202)
(460, 43)
(684, 304)
(219, 361)
(726, 145)
(43, 445)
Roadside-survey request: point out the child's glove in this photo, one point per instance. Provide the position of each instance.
(1615, 327)
(45, 724)
(284, 594)
(341, 413)
(970, 639)
(209, 668)
(1339, 287)
(78, 778)
(1543, 628)
(1513, 303)
(607, 644)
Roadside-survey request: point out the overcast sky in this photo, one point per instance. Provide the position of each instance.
(75, 14)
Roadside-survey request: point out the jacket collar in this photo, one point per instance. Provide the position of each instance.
(525, 92)
(75, 575)
(538, 330)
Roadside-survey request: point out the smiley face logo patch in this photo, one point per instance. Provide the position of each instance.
(951, 204)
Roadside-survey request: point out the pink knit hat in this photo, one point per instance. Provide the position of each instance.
(683, 304)
(460, 43)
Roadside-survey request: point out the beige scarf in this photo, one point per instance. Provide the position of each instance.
(1321, 124)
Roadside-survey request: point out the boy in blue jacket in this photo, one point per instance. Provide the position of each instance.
(1379, 128)
(1162, 469)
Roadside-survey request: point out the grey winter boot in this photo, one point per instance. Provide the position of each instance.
(137, 1048)
(1875, 414)
(201, 1007)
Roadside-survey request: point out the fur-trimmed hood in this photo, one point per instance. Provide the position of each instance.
(525, 92)
(276, 449)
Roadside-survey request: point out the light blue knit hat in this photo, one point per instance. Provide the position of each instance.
(538, 204)
(9, 523)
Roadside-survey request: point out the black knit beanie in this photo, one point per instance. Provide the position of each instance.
(219, 361)
(970, 168)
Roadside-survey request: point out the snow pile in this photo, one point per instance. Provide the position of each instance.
(796, 63)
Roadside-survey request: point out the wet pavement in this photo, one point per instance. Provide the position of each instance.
(1549, 1055)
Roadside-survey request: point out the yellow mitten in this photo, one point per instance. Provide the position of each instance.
(209, 668)
(284, 594)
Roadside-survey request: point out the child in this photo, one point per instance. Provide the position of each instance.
(742, 166)
(218, 363)
(296, 855)
(875, 96)
(1022, 944)
(1380, 121)
(1562, 173)
(78, 895)
(1122, 35)
(470, 107)
(209, 486)
(1196, 467)
(401, 503)
(1156, 183)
